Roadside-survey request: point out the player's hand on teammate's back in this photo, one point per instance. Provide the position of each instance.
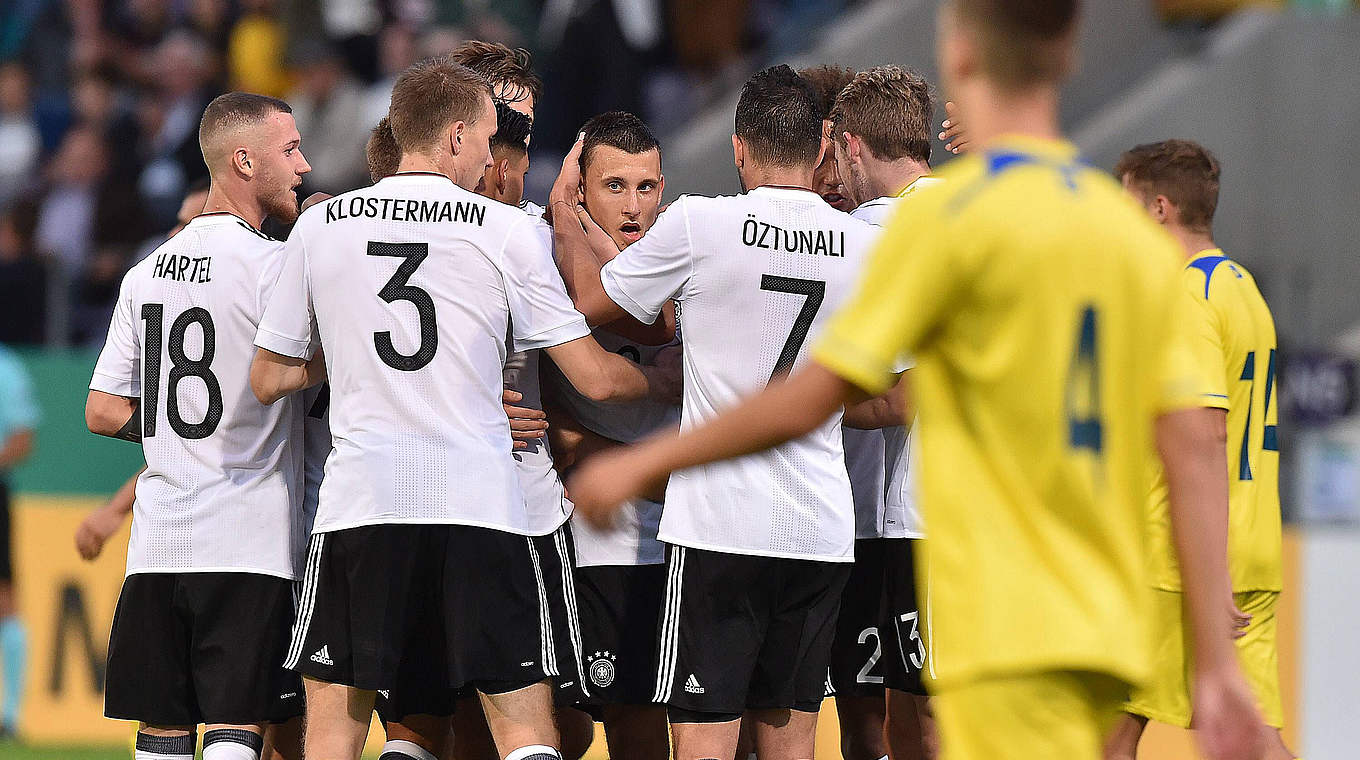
(1226, 721)
(1240, 622)
(525, 424)
(952, 132)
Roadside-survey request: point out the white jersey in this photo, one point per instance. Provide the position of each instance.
(223, 471)
(632, 537)
(415, 348)
(316, 447)
(900, 517)
(544, 497)
(755, 275)
(532, 209)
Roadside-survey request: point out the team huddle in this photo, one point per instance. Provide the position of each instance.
(356, 438)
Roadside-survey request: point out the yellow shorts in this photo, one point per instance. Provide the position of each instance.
(1166, 697)
(1056, 715)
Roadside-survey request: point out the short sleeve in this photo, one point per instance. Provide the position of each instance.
(1183, 379)
(541, 312)
(1204, 341)
(118, 370)
(913, 276)
(655, 269)
(288, 325)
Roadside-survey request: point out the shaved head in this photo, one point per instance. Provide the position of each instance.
(226, 118)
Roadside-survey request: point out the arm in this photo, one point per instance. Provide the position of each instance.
(1191, 443)
(17, 447)
(580, 268)
(886, 410)
(97, 526)
(525, 424)
(666, 375)
(273, 376)
(598, 374)
(114, 416)
(780, 413)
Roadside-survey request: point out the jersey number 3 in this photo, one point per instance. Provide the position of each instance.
(181, 366)
(399, 289)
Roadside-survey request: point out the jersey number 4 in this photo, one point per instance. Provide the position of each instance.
(399, 289)
(181, 367)
(1084, 428)
(814, 291)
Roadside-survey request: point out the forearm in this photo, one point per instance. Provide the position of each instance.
(1194, 459)
(114, 416)
(273, 376)
(580, 269)
(121, 503)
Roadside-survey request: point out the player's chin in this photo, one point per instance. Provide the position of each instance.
(286, 209)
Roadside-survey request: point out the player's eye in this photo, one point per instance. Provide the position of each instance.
(646, 187)
(616, 187)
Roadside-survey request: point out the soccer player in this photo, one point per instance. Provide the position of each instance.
(420, 543)
(18, 418)
(880, 127)
(504, 179)
(827, 82)
(1040, 306)
(381, 152)
(621, 574)
(1233, 336)
(202, 622)
(760, 547)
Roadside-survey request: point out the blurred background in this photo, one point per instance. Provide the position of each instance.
(99, 107)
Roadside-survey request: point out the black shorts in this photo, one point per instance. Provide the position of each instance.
(620, 610)
(903, 623)
(856, 653)
(422, 610)
(190, 648)
(6, 539)
(742, 632)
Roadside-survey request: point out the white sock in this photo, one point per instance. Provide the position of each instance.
(153, 747)
(397, 749)
(535, 752)
(232, 744)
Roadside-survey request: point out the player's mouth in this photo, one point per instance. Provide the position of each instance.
(836, 200)
(632, 231)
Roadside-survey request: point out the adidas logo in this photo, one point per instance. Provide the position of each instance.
(692, 685)
(323, 655)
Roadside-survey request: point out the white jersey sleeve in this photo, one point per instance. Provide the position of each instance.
(541, 312)
(288, 327)
(118, 370)
(655, 269)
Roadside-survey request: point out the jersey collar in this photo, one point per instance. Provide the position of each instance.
(786, 191)
(921, 182)
(215, 217)
(419, 174)
(1209, 253)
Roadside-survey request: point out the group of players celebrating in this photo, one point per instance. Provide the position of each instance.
(354, 437)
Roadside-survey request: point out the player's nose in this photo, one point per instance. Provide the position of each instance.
(303, 166)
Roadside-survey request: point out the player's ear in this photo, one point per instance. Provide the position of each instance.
(502, 171)
(738, 151)
(661, 186)
(1162, 209)
(241, 162)
(456, 137)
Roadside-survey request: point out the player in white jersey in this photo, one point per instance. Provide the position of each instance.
(760, 547)
(880, 125)
(621, 573)
(420, 542)
(202, 621)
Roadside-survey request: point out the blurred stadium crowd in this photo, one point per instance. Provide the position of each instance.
(100, 101)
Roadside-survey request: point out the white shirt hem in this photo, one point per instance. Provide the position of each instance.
(364, 523)
(250, 570)
(282, 344)
(757, 552)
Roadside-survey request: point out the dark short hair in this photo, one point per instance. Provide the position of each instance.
(778, 118)
(890, 109)
(235, 109)
(431, 95)
(827, 82)
(382, 152)
(1182, 170)
(509, 70)
(512, 129)
(1024, 42)
(616, 129)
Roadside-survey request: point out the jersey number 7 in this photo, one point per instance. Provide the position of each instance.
(815, 292)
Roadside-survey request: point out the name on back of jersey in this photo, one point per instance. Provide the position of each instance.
(173, 266)
(405, 210)
(758, 234)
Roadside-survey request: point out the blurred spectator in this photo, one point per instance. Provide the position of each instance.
(19, 417)
(94, 294)
(183, 69)
(397, 50)
(95, 102)
(19, 140)
(23, 277)
(211, 20)
(255, 51)
(331, 111)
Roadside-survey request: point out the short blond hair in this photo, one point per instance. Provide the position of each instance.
(430, 96)
(890, 109)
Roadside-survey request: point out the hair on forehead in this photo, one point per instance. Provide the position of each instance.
(616, 129)
(512, 129)
(509, 70)
(890, 109)
(231, 111)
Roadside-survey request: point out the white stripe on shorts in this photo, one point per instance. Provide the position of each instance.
(670, 627)
(549, 652)
(569, 595)
(307, 602)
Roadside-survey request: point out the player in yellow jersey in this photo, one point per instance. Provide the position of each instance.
(1233, 340)
(1038, 302)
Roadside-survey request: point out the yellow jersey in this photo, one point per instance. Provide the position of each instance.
(1232, 338)
(1037, 300)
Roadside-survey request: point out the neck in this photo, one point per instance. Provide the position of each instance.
(886, 178)
(991, 112)
(234, 198)
(419, 162)
(761, 176)
(1192, 241)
